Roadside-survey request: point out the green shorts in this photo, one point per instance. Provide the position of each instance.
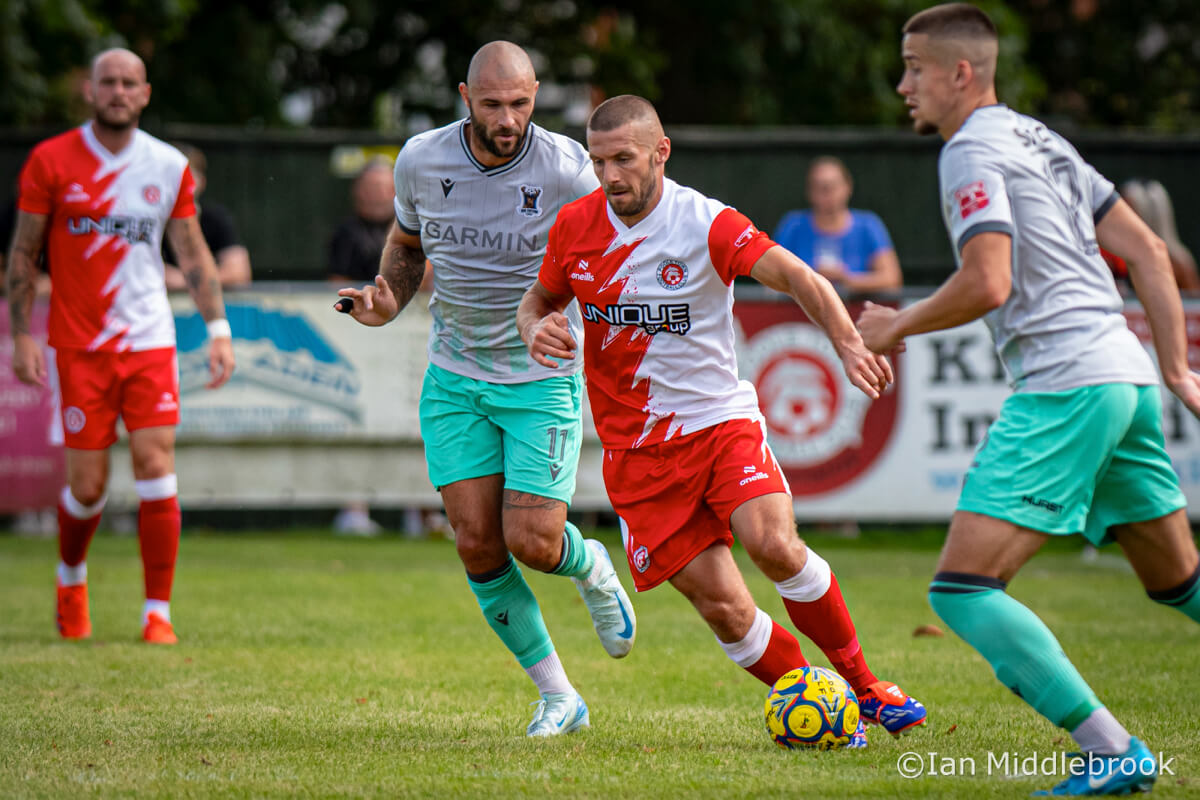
(529, 432)
(1078, 461)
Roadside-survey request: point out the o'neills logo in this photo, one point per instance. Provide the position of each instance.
(823, 430)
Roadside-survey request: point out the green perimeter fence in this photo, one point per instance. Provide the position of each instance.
(287, 190)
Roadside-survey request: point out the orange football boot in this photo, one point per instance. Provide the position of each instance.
(158, 630)
(72, 616)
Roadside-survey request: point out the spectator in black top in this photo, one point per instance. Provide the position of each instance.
(220, 234)
(357, 242)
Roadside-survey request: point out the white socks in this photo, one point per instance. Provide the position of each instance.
(160, 607)
(549, 676)
(71, 576)
(752, 646)
(1101, 733)
(810, 583)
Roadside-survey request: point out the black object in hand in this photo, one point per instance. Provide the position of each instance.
(344, 304)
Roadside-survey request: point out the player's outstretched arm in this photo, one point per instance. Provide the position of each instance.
(543, 326)
(1123, 232)
(781, 270)
(401, 268)
(29, 363)
(981, 284)
(200, 271)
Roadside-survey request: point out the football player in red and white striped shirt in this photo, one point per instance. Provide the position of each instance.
(686, 462)
(99, 198)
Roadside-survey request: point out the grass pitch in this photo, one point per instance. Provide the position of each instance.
(316, 667)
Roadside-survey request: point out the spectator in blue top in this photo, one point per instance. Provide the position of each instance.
(848, 246)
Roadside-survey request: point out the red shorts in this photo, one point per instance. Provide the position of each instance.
(675, 499)
(142, 387)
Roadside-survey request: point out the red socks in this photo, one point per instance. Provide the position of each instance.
(158, 537)
(77, 524)
(814, 602)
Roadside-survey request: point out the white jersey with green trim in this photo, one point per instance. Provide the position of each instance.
(1062, 326)
(484, 231)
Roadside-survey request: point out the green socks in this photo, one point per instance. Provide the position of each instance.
(511, 609)
(577, 557)
(1022, 651)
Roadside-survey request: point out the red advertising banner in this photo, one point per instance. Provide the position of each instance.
(824, 431)
(32, 470)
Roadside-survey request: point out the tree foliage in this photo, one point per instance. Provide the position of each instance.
(360, 63)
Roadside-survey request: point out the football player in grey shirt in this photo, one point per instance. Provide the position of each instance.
(1078, 447)
(501, 432)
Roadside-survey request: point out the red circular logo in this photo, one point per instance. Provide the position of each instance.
(823, 430)
(151, 194)
(672, 274)
(641, 558)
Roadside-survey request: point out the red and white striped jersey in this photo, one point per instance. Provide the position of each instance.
(107, 213)
(657, 303)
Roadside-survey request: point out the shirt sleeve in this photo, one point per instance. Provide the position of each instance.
(878, 239)
(185, 201)
(552, 274)
(974, 195)
(585, 181)
(217, 226)
(405, 205)
(36, 186)
(735, 245)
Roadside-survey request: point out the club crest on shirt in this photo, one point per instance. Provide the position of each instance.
(151, 193)
(672, 274)
(529, 201)
(971, 198)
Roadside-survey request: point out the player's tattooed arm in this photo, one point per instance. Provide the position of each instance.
(22, 264)
(402, 265)
(199, 268)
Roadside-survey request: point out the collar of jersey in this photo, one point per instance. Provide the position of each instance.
(645, 223)
(103, 153)
(499, 169)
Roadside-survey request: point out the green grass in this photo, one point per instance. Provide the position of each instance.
(315, 667)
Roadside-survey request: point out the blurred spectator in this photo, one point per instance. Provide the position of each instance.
(1152, 203)
(354, 253)
(357, 242)
(220, 234)
(848, 246)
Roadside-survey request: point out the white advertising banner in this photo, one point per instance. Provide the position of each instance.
(322, 409)
(902, 457)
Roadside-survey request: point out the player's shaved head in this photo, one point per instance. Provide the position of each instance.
(628, 109)
(959, 31)
(118, 56)
(500, 62)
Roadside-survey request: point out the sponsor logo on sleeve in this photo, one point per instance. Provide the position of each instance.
(745, 236)
(971, 198)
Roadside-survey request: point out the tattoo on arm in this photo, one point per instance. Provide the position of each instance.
(402, 267)
(23, 268)
(199, 269)
(515, 499)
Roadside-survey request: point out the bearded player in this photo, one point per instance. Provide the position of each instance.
(99, 198)
(686, 462)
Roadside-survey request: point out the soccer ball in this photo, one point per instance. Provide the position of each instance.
(811, 707)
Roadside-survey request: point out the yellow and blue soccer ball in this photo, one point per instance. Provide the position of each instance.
(811, 707)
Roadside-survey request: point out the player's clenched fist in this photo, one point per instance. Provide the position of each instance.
(549, 337)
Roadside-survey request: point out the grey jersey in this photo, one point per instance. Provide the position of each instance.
(484, 230)
(1062, 325)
